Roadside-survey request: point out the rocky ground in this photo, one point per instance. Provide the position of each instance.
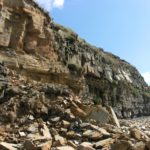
(37, 116)
(54, 83)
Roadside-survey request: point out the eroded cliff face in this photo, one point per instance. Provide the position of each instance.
(36, 47)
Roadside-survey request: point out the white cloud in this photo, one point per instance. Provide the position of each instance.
(58, 3)
(50, 4)
(146, 76)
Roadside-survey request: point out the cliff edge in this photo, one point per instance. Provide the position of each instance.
(36, 47)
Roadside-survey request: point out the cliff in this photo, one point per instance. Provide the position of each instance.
(36, 47)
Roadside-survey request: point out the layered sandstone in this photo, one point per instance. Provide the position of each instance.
(36, 47)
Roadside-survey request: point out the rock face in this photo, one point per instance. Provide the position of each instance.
(36, 47)
(3, 81)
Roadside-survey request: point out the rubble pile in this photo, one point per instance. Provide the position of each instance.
(58, 92)
(32, 44)
(37, 116)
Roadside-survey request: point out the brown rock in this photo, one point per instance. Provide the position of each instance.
(66, 124)
(65, 148)
(113, 116)
(72, 144)
(45, 131)
(100, 114)
(59, 140)
(148, 145)
(85, 146)
(71, 134)
(28, 145)
(121, 145)
(93, 135)
(139, 146)
(104, 143)
(7, 146)
(138, 134)
(11, 116)
(45, 146)
(78, 111)
(22, 134)
(101, 130)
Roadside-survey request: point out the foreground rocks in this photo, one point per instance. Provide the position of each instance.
(57, 92)
(33, 118)
(32, 44)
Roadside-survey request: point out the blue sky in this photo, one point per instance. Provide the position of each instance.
(121, 27)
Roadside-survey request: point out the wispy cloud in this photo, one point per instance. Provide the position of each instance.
(50, 4)
(146, 76)
(58, 3)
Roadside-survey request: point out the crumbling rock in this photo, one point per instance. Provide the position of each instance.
(59, 92)
(42, 50)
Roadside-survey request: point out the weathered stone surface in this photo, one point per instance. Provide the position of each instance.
(104, 143)
(65, 148)
(29, 145)
(100, 114)
(3, 81)
(137, 134)
(85, 146)
(59, 92)
(45, 132)
(59, 140)
(93, 135)
(45, 146)
(122, 145)
(139, 146)
(33, 44)
(148, 145)
(66, 124)
(101, 130)
(7, 146)
(114, 118)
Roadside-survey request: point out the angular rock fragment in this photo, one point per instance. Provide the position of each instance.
(65, 148)
(7, 146)
(139, 146)
(137, 134)
(45, 146)
(59, 140)
(45, 131)
(93, 135)
(121, 145)
(29, 145)
(104, 143)
(85, 146)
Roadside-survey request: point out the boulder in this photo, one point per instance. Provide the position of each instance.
(114, 118)
(85, 146)
(59, 140)
(45, 131)
(7, 146)
(148, 145)
(139, 146)
(121, 145)
(138, 134)
(104, 143)
(101, 130)
(100, 114)
(29, 145)
(45, 146)
(92, 135)
(65, 148)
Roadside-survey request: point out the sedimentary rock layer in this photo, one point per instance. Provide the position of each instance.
(33, 45)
